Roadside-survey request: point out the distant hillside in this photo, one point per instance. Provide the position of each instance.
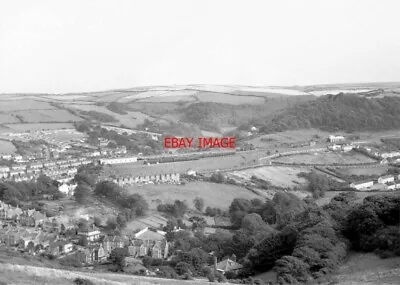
(337, 112)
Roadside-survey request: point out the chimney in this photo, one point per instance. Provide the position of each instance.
(215, 263)
(233, 257)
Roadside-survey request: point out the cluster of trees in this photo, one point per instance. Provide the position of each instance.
(23, 147)
(337, 112)
(119, 108)
(86, 177)
(132, 205)
(178, 209)
(14, 192)
(213, 212)
(374, 225)
(318, 183)
(99, 116)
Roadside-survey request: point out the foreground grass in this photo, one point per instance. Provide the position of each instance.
(32, 275)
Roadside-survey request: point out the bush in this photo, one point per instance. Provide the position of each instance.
(81, 281)
(183, 268)
(70, 261)
(167, 272)
(211, 276)
(220, 277)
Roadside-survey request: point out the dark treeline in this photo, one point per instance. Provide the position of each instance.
(299, 240)
(337, 112)
(15, 192)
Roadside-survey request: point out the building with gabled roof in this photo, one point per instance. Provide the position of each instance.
(228, 265)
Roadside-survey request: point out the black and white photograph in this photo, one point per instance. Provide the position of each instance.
(194, 142)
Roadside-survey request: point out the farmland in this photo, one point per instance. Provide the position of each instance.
(362, 171)
(131, 119)
(277, 176)
(326, 158)
(35, 116)
(35, 127)
(232, 99)
(214, 195)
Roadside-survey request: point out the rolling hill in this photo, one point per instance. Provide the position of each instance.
(337, 112)
(216, 108)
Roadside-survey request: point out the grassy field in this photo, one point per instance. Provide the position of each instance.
(8, 118)
(232, 99)
(214, 195)
(368, 268)
(35, 127)
(278, 176)
(131, 119)
(26, 104)
(277, 141)
(168, 99)
(327, 158)
(34, 116)
(7, 147)
(363, 171)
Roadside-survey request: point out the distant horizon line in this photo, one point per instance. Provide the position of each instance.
(354, 84)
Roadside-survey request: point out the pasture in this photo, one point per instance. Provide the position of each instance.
(7, 147)
(326, 158)
(8, 118)
(26, 104)
(131, 120)
(214, 195)
(363, 171)
(36, 127)
(277, 176)
(36, 116)
(168, 99)
(229, 99)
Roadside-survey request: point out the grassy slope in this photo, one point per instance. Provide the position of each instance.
(33, 275)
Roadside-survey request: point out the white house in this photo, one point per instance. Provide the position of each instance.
(386, 179)
(391, 186)
(334, 147)
(335, 139)
(191, 172)
(347, 148)
(362, 185)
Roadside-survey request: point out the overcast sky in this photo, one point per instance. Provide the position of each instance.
(86, 45)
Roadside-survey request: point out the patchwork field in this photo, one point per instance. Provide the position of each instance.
(26, 104)
(35, 116)
(214, 195)
(278, 176)
(131, 120)
(326, 158)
